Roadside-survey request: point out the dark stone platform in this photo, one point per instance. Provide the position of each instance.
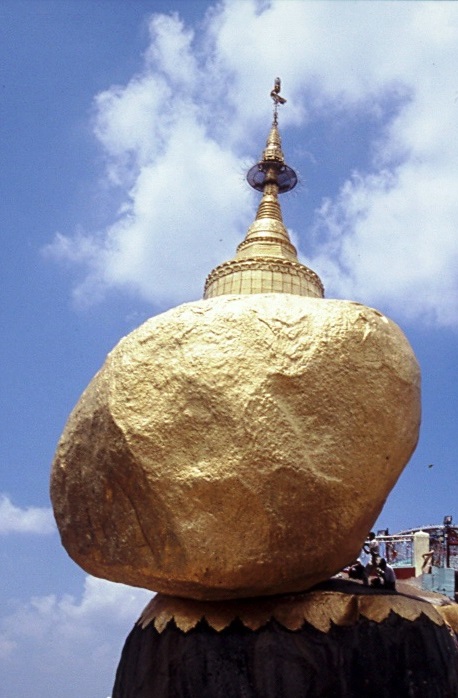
(393, 658)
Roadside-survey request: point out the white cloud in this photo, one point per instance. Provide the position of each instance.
(175, 135)
(54, 639)
(400, 243)
(35, 520)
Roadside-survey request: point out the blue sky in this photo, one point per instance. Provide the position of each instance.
(126, 129)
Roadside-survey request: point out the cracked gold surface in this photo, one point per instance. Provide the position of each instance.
(238, 446)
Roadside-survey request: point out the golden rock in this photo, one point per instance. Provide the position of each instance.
(237, 446)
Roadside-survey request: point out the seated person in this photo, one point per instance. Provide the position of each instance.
(386, 577)
(358, 571)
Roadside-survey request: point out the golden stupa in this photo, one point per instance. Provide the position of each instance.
(266, 260)
(244, 444)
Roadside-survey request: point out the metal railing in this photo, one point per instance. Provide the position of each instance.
(398, 549)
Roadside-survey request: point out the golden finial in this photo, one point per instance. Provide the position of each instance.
(275, 94)
(277, 98)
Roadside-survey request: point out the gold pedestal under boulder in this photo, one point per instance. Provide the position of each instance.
(336, 602)
(237, 446)
(341, 640)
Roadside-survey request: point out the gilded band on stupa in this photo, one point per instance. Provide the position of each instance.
(266, 261)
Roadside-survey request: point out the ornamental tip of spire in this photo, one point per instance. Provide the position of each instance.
(272, 163)
(277, 98)
(273, 149)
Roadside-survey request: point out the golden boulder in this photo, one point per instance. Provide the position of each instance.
(237, 446)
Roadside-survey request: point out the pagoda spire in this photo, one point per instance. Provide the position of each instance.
(266, 261)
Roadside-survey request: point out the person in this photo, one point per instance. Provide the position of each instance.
(427, 562)
(358, 571)
(371, 547)
(430, 559)
(386, 575)
(391, 552)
